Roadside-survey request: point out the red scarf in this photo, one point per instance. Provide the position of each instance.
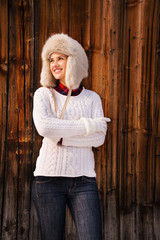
(64, 90)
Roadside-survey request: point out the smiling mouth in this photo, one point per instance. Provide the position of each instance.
(57, 70)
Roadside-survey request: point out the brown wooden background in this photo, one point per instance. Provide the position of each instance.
(122, 40)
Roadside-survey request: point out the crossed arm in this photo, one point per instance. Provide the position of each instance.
(84, 132)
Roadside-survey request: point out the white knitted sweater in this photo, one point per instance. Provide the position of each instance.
(75, 156)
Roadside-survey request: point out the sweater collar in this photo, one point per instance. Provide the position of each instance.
(64, 90)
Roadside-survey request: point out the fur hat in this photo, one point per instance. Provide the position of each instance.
(77, 62)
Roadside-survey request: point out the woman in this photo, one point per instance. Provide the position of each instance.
(71, 120)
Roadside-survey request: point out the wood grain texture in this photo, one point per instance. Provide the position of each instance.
(122, 41)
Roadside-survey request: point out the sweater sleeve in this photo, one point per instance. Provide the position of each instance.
(94, 140)
(48, 125)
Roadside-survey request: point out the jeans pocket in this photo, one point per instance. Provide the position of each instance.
(43, 185)
(89, 179)
(44, 179)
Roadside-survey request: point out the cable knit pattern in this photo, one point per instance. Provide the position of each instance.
(75, 157)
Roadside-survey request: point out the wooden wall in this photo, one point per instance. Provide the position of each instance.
(122, 41)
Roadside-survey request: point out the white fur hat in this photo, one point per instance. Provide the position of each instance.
(77, 62)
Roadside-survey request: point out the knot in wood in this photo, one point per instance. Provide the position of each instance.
(24, 67)
(4, 67)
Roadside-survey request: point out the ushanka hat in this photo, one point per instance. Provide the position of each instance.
(77, 62)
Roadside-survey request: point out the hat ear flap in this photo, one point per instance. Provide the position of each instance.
(73, 74)
(47, 79)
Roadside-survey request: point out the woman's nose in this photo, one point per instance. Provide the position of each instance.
(55, 63)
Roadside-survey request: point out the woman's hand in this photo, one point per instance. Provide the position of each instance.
(95, 125)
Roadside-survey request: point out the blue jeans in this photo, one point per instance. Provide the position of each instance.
(51, 194)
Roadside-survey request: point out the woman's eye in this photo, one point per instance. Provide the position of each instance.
(58, 59)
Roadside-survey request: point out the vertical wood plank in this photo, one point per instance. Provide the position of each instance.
(147, 97)
(25, 135)
(156, 122)
(112, 72)
(15, 116)
(3, 99)
(130, 118)
(131, 93)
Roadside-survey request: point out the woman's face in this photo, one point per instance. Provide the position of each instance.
(58, 63)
